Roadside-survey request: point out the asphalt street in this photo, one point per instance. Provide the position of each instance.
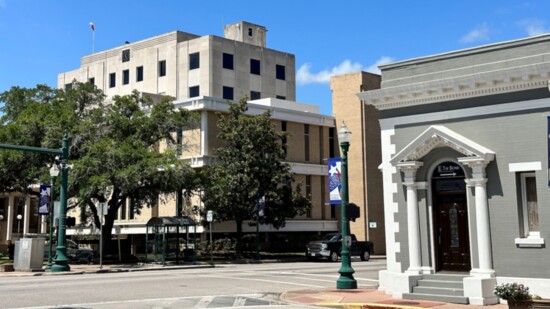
(230, 285)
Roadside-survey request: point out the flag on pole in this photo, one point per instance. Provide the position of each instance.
(335, 180)
(92, 26)
(44, 200)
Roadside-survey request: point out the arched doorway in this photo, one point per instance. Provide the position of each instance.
(452, 245)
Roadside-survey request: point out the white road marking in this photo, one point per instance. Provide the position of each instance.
(262, 280)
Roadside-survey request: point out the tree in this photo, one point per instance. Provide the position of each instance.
(113, 146)
(248, 167)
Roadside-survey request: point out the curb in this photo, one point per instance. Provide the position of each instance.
(365, 306)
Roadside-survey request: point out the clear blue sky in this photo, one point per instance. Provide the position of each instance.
(39, 39)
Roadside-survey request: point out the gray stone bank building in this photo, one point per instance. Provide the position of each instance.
(464, 139)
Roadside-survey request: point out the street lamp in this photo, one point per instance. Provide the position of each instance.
(346, 280)
(19, 217)
(61, 260)
(54, 172)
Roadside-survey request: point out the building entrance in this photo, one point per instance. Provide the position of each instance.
(452, 245)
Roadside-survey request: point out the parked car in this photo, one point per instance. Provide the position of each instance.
(330, 247)
(75, 253)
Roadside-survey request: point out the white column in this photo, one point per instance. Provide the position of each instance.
(204, 133)
(43, 225)
(413, 223)
(485, 255)
(27, 215)
(9, 217)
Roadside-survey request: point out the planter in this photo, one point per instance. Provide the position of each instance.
(523, 304)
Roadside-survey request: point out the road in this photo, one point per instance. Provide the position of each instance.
(229, 285)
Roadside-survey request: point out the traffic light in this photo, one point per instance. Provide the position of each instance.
(352, 212)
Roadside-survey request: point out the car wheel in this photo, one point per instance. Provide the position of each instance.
(333, 256)
(365, 256)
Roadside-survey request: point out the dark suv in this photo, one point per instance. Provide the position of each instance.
(75, 253)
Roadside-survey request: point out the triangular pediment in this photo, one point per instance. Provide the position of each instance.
(439, 136)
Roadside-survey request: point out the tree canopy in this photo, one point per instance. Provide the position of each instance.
(250, 166)
(113, 146)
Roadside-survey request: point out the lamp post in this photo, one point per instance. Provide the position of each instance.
(54, 172)
(61, 261)
(346, 280)
(19, 217)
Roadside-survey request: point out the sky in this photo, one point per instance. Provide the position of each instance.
(42, 38)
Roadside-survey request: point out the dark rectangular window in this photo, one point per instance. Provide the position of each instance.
(91, 80)
(125, 77)
(280, 72)
(194, 91)
(284, 138)
(139, 74)
(131, 212)
(68, 86)
(123, 211)
(281, 97)
(194, 61)
(308, 192)
(306, 142)
(126, 55)
(112, 80)
(228, 61)
(228, 93)
(162, 68)
(323, 199)
(254, 66)
(333, 211)
(331, 142)
(255, 95)
(249, 31)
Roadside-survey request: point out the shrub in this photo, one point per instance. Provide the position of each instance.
(512, 292)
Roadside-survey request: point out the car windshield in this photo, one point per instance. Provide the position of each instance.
(331, 237)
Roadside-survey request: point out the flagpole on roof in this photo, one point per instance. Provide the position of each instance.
(93, 36)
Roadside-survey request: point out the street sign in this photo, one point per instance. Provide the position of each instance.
(209, 216)
(103, 209)
(347, 239)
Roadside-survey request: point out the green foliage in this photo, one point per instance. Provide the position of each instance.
(113, 146)
(512, 292)
(249, 165)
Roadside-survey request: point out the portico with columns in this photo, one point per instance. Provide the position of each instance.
(446, 150)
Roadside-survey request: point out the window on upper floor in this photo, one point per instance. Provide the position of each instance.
(68, 86)
(194, 61)
(280, 72)
(227, 61)
(91, 80)
(194, 91)
(282, 97)
(125, 77)
(529, 205)
(139, 74)
(227, 93)
(112, 80)
(126, 55)
(255, 66)
(249, 31)
(162, 68)
(306, 142)
(331, 143)
(255, 95)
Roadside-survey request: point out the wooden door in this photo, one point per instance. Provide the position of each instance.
(452, 234)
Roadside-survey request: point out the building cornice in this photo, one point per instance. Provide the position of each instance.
(221, 105)
(503, 81)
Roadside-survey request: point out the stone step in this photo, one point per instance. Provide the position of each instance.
(438, 291)
(440, 298)
(441, 284)
(444, 277)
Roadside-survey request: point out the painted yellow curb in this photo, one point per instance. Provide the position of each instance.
(365, 306)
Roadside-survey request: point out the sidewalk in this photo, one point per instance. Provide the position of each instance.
(331, 298)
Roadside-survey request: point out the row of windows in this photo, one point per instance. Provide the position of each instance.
(125, 77)
(255, 66)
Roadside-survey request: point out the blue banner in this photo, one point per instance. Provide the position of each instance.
(334, 180)
(44, 201)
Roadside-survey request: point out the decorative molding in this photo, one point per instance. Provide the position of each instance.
(524, 166)
(503, 81)
(440, 136)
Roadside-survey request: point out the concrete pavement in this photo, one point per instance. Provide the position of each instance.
(331, 298)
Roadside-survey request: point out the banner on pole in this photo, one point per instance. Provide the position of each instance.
(44, 201)
(334, 180)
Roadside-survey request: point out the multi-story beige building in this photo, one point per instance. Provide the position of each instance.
(364, 156)
(202, 73)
